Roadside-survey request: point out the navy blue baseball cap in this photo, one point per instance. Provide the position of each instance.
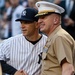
(28, 14)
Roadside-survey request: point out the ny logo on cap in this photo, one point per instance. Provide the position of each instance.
(24, 13)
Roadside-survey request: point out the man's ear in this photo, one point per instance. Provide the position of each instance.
(37, 25)
(56, 20)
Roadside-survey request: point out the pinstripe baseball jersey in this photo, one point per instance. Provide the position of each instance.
(22, 54)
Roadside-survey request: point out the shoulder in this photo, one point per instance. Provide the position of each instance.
(63, 36)
(11, 39)
(17, 37)
(11, 42)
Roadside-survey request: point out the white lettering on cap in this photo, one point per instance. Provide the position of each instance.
(24, 13)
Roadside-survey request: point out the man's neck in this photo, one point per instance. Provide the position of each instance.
(33, 37)
(52, 29)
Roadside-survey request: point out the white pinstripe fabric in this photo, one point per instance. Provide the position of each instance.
(22, 54)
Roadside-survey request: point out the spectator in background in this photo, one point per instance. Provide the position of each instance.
(7, 5)
(50, 1)
(4, 18)
(68, 17)
(2, 28)
(21, 1)
(31, 3)
(57, 1)
(14, 13)
(2, 2)
(24, 3)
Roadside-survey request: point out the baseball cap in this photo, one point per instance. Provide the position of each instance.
(45, 7)
(28, 14)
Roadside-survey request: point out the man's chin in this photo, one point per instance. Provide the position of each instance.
(24, 34)
(42, 30)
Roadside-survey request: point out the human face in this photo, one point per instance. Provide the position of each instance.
(31, 3)
(46, 23)
(28, 28)
(14, 2)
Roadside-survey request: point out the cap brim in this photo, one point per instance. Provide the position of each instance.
(47, 13)
(40, 14)
(23, 19)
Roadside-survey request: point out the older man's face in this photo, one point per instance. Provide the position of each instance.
(46, 23)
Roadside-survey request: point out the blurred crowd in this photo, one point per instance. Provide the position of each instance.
(11, 10)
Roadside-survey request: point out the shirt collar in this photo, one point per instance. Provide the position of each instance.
(54, 32)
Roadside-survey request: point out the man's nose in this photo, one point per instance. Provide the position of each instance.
(22, 25)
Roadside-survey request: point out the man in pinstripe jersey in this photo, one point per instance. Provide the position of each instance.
(20, 55)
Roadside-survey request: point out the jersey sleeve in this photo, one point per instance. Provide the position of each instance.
(62, 49)
(4, 50)
(6, 68)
